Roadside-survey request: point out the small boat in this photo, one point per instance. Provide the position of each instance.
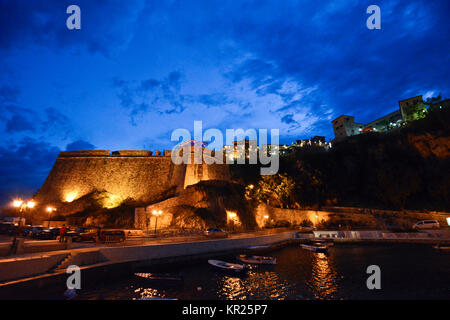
(160, 277)
(70, 294)
(441, 247)
(259, 248)
(227, 266)
(315, 248)
(257, 259)
(158, 299)
(323, 243)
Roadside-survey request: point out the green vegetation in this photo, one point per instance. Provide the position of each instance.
(406, 168)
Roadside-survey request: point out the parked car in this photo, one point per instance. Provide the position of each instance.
(216, 233)
(86, 234)
(35, 231)
(112, 235)
(26, 231)
(306, 228)
(75, 234)
(426, 224)
(7, 228)
(48, 234)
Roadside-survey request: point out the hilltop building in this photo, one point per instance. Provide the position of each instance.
(345, 126)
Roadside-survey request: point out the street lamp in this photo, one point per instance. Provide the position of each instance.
(21, 206)
(50, 211)
(17, 203)
(266, 218)
(156, 213)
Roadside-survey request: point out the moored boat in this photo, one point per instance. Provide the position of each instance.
(441, 247)
(323, 243)
(315, 248)
(258, 247)
(160, 277)
(158, 299)
(257, 259)
(226, 266)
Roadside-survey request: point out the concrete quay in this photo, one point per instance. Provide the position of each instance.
(38, 271)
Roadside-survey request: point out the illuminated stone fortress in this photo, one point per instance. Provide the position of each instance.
(138, 175)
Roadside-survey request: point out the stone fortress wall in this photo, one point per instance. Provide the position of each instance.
(135, 174)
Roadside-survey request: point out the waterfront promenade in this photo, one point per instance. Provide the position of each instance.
(43, 269)
(40, 267)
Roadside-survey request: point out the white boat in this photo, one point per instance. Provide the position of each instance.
(440, 247)
(323, 243)
(227, 266)
(158, 299)
(258, 247)
(313, 248)
(160, 277)
(257, 259)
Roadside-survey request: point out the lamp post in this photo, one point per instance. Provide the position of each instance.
(156, 213)
(21, 206)
(50, 211)
(266, 218)
(30, 205)
(231, 217)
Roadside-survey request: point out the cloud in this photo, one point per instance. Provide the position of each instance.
(79, 145)
(160, 96)
(19, 119)
(56, 123)
(8, 94)
(18, 123)
(24, 167)
(289, 118)
(50, 123)
(105, 25)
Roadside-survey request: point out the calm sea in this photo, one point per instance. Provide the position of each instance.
(407, 272)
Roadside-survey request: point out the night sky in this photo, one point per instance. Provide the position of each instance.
(137, 70)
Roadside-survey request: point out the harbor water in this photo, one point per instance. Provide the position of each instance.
(407, 272)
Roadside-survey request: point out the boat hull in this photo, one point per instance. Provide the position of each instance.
(442, 248)
(257, 260)
(160, 279)
(226, 266)
(318, 249)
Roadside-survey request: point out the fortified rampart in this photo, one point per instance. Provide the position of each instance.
(125, 174)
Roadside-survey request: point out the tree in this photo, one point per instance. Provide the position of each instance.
(277, 189)
(415, 112)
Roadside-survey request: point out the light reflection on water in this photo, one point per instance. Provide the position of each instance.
(323, 283)
(256, 285)
(300, 274)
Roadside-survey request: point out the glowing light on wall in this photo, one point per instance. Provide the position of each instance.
(231, 214)
(448, 221)
(69, 197)
(233, 218)
(112, 201)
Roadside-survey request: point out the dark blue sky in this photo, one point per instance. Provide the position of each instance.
(137, 70)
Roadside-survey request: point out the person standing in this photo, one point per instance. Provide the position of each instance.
(62, 233)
